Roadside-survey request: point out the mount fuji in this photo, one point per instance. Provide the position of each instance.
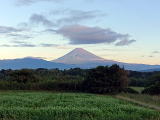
(84, 59)
(78, 56)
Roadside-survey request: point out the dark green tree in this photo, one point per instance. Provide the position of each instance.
(106, 80)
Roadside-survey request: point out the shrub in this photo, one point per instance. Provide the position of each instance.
(130, 90)
(152, 90)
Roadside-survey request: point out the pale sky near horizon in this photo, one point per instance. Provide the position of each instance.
(121, 30)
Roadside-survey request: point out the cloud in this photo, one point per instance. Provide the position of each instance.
(5, 45)
(65, 47)
(50, 31)
(19, 42)
(79, 34)
(19, 36)
(29, 2)
(76, 16)
(48, 45)
(18, 45)
(125, 42)
(6, 29)
(156, 52)
(63, 17)
(26, 44)
(151, 56)
(15, 32)
(40, 19)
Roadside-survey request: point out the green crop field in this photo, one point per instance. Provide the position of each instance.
(69, 106)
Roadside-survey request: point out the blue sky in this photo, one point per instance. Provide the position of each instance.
(122, 30)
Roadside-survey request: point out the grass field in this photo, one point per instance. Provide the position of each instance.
(69, 106)
(139, 89)
(152, 100)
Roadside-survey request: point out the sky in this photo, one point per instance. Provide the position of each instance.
(121, 30)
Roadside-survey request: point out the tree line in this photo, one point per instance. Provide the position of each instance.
(102, 79)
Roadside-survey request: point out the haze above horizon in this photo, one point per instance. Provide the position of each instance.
(120, 30)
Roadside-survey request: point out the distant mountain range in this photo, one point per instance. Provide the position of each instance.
(76, 58)
(151, 70)
(31, 63)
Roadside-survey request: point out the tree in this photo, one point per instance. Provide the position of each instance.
(105, 80)
(23, 76)
(152, 90)
(153, 85)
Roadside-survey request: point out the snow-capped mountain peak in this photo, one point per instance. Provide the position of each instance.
(78, 56)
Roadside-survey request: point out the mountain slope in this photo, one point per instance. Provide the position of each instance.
(78, 56)
(151, 70)
(31, 63)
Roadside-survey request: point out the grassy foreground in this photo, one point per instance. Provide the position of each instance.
(69, 106)
(152, 100)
